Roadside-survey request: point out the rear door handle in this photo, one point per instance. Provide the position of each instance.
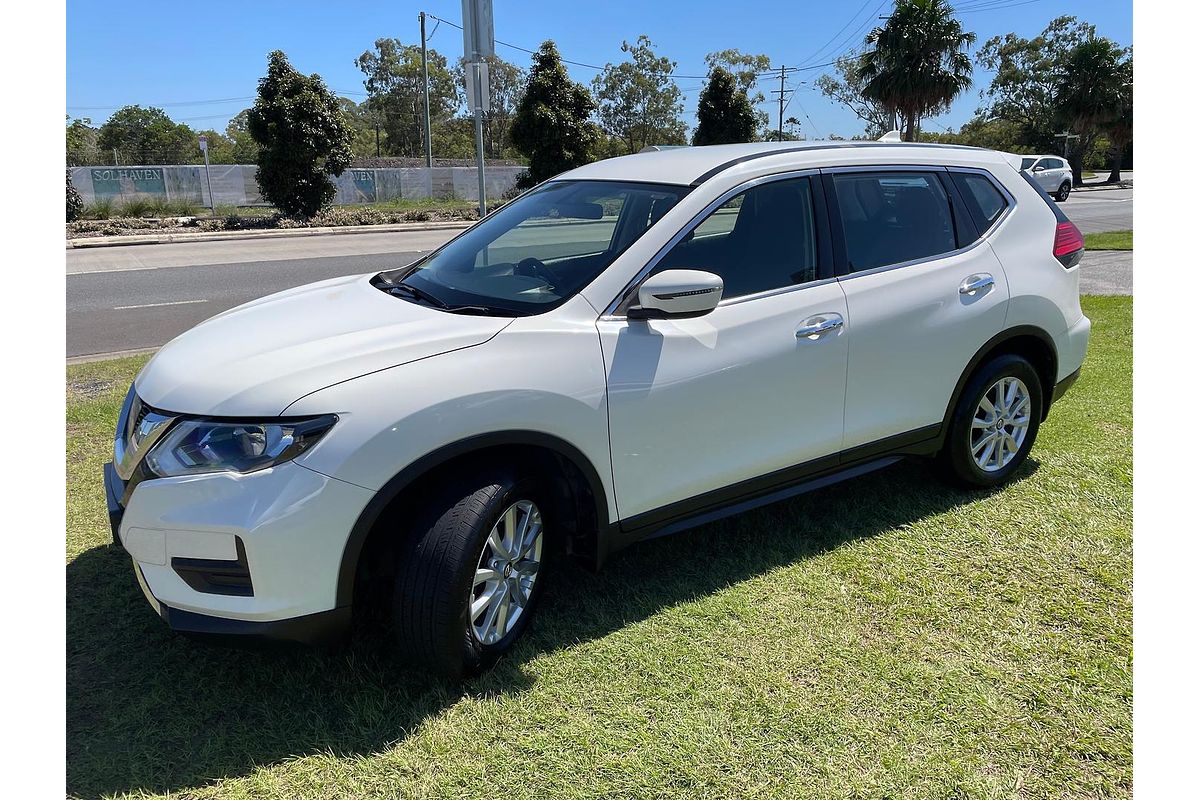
(818, 325)
(975, 284)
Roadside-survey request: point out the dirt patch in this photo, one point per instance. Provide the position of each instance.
(89, 388)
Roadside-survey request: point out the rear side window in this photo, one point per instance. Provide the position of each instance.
(762, 239)
(985, 203)
(893, 217)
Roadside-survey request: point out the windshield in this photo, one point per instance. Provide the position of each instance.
(536, 252)
(1026, 163)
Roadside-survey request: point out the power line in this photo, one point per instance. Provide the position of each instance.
(167, 105)
(820, 50)
(671, 75)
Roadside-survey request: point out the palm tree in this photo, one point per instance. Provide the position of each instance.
(1093, 91)
(916, 63)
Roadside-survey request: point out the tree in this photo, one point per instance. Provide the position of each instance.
(394, 85)
(638, 103)
(1022, 91)
(551, 125)
(302, 136)
(366, 128)
(847, 88)
(82, 149)
(147, 136)
(1120, 127)
(724, 114)
(505, 82)
(245, 149)
(746, 69)
(1091, 91)
(74, 201)
(916, 63)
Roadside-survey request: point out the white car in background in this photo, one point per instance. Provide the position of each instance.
(1052, 173)
(634, 347)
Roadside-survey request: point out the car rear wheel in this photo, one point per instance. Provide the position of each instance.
(994, 424)
(1064, 192)
(469, 582)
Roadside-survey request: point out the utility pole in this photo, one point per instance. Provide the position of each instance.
(782, 92)
(425, 87)
(1066, 136)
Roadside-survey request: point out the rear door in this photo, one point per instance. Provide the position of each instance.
(923, 294)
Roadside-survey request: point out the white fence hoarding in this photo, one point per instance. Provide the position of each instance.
(235, 185)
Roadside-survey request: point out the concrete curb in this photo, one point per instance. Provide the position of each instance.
(219, 236)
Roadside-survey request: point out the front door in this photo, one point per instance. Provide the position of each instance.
(697, 406)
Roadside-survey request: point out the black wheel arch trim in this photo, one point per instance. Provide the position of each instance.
(370, 514)
(1016, 332)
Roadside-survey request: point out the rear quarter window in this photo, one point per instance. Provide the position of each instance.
(985, 203)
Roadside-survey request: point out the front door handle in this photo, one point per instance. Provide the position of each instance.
(975, 284)
(817, 326)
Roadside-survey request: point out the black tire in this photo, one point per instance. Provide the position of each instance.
(956, 459)
(435, 572)
(1063, 193)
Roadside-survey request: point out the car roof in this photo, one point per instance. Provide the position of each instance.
(694, 165)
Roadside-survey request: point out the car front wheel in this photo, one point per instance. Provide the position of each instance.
(469, 582)
(994, 423)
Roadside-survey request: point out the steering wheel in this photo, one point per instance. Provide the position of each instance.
(534, 268)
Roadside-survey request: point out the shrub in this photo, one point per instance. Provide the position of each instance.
(74, 201)
(302, 136)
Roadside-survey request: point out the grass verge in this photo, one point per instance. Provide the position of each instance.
(887, 637)
(1109, 240)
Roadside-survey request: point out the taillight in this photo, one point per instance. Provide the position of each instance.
(1068, 244)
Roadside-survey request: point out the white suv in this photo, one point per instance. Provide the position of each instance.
(634, 347)
(1052, 173)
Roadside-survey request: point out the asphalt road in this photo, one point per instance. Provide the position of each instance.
(137, 297)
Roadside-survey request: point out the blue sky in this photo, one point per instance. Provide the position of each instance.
(200, 61)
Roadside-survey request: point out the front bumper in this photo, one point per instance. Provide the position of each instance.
(240, 556)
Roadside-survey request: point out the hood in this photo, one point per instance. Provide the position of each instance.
(259, 358)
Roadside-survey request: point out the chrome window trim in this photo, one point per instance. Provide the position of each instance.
(615, 310)
(925, 168)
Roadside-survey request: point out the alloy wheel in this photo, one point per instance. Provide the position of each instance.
(1000, 424)
(506, 572)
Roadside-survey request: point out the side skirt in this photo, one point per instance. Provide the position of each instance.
(773, 487)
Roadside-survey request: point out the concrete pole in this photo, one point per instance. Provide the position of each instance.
(479, 156)
(425, 86)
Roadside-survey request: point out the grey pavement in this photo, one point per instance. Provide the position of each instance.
(1098, 210)
(1106, 272)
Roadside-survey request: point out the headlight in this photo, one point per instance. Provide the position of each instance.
(195, 446)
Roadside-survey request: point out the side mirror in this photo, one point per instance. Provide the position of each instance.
(1039, 168)
(677, 293)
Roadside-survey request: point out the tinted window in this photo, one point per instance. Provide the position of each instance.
(1052, 163)
(984, 201)
(1026, 163)
(892, 217)
(762, 239)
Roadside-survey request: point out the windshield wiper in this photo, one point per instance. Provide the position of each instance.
(416, 293)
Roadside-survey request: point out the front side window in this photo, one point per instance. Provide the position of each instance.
(893, 217)
(761, 239)
(536, 252)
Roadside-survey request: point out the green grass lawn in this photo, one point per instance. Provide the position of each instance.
(888, 637)
(1109, 240)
